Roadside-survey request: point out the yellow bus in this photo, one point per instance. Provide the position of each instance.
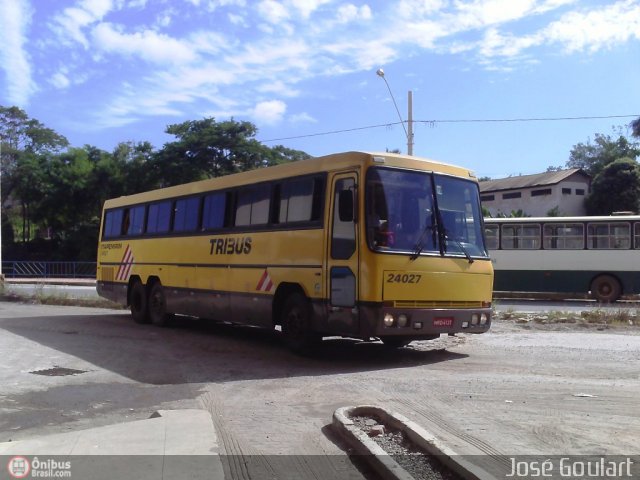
(372, 246)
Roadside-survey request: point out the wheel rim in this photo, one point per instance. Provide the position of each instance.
(294, 323)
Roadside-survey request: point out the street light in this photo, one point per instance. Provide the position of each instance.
(408, 133)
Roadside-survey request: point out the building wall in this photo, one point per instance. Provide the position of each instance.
(535, 202)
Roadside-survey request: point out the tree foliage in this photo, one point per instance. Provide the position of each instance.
(206, 148)
(615, 188)
(635, 128)
(55, 193)
(592, 157)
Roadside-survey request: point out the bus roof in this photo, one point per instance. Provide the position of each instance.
(333, 162)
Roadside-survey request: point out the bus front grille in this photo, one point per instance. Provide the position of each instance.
(435, 304)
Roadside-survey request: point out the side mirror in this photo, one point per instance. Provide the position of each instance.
(345, 206)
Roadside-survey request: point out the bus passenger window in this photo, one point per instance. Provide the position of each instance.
(213, 211)
(134, 221)
(296, 201)
(253, 206)
(491, 235)
(113, 224)
(159, 217)
(521, 237)
(609, 236)
(186, 214)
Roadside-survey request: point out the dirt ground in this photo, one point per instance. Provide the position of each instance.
(521, 389)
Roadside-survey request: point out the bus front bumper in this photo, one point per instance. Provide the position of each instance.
(417, 323)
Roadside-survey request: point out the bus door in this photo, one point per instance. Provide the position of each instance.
(342, 256)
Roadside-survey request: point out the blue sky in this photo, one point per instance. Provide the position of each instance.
(105, 71)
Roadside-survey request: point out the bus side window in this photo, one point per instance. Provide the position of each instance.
(295, 200)
(186, 214)
(159, 218)
(521, 237)
(491, 235)
(134, 221)
(609, 236)
(253, 205)
(113, 223)
(213, 211)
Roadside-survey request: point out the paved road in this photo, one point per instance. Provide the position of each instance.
(510, 391)
(501, 305)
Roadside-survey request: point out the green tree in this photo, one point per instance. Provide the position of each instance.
(206, 148)
(592, 157)
(23, 142)
(635, 128)
(616, 188)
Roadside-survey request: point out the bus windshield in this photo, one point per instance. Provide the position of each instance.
(423, 213)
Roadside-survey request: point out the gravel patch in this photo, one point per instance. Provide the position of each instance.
(418, 464)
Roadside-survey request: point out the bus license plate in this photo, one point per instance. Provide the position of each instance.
(443, 322)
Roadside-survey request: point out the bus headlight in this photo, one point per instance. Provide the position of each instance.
(403, 321)
(475, 318)
(483, 319)
(388, 320)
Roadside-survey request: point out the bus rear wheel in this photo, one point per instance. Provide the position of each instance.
(138, 303)
(296, 325)
(158, 306)
(606, 289)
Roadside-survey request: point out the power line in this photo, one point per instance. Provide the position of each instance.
(433, 122)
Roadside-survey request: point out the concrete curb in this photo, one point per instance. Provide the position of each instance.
(381, 461)
(165, 433)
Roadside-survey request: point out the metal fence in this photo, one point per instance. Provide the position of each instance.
(25, 269)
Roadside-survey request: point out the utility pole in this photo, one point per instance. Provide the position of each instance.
(408, 133)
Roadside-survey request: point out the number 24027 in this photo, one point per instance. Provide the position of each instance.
(403, 278)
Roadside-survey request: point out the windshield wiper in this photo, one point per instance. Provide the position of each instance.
(460, 246)
(417, 250)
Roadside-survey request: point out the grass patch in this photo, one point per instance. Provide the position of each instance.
(596, 317)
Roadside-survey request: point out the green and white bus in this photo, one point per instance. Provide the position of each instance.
(570, 255)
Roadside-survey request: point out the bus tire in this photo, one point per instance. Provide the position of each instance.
(158, 306)
(606, 289)
(138, 303)
(296, 325)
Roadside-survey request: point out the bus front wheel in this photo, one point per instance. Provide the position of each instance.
(395, 342)
(138, 303)
(296, 325)
(606, 289)
(158, 306)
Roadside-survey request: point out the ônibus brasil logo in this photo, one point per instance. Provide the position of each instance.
(19, 467)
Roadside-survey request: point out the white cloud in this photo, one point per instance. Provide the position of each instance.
(413, 9)
(70, 24)
(15, 19)
(237, 19)
(303, 117)
(306, 7)
(269, 112)
(596, 29)
(576, 31)
(349, 13)
(251, 61)
(60, 80)
(148, 45)
(272, 11)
